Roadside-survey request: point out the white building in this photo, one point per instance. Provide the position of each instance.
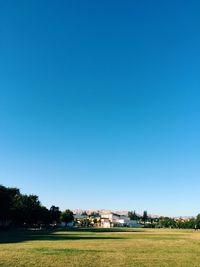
(109, 220)
(124, 220)
(105, 223)
(115, 220)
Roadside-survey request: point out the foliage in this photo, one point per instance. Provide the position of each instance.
(7, 197)
(95, 214)
(29, 209)
(67, 216)
(84, 213)
(17, 209)
(167, 222)
(55, 214)
(198, 221)
(145, 217)
(85, 222)
(133, 216)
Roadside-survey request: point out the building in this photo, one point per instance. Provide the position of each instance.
(115, 220)
(110, 220)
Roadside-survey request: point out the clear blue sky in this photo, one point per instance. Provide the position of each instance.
(100, 103)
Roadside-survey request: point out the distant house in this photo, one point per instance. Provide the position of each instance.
(110, 218)
(115, 220)
(127, 222)
(105, 222)
(124, 220)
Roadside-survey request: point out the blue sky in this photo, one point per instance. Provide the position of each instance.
(100, 103)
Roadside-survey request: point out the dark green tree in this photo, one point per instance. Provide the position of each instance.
(55, 214)
(145, 217)
(168, 222)
(198, 221)
(67, 216)
(133, 216)
(94, 214)
(44, 216)
(84, 213)
(30, 207)
(7, 196)
(24, 210)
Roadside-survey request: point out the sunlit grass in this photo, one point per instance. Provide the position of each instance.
(149, 247)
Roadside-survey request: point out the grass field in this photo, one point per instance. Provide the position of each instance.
(140, 247)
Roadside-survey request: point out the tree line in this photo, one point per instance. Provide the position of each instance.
(21, 210)
(165, 222)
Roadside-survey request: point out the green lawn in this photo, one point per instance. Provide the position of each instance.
(139, 247)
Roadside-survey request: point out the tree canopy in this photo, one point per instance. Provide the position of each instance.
(67, 216)
(18, 209)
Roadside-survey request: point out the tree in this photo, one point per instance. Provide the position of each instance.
(145, 217)
(44, 215)
(85, 222)
(55, 214)
(30, 207)
(133, 216)
(7, 196)
(167, 222)
(198, 221)
(24, 210)
(94, 214)
(67, 216)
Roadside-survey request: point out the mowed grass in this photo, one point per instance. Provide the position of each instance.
(134, 247)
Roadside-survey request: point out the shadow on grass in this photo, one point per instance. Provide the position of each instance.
(15, 236)
(107, 230)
